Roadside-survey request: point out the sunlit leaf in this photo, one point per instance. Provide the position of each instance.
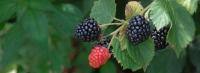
(190, 5)
(158, 15)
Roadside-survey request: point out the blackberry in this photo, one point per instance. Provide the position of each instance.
(88, 30)
(159, 37)
(138, 29)
(104, 42)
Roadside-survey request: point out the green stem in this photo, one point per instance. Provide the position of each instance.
(111, 41)
(109, 24)
(114, 33)
(120, 20)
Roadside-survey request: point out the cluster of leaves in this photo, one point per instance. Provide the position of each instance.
(161, 13)
(39, 38)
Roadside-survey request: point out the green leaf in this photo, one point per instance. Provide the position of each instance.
(64, 21)
(35, 25)
(109, 67)
(71, 9)
(190, 5)
(103, 11)
(42, 5)
(61, 35)
(8, 8)
(60, 51)
(158, 15)
(165, 61)
(133, 57)
(194, 53)
(82, 63)
(34, 58)
(11, 44)
(183, 29)
(142, 53)
(87, 6)
(2, 26)
(122, 56)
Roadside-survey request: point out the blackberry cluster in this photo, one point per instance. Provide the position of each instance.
(104, 42)
(159, 37)
(138, 29)
(88, 30)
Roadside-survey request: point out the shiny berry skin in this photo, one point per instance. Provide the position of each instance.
(159, 37)
(88, 30)
(138, 29)
(98, 56)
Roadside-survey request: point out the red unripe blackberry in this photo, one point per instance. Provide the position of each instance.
(88, 30)
(138, 29)
(98, 56)
(159, 37)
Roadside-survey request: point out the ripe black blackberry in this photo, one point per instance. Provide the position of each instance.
(88, 30)
(138, 29)
(159, 37)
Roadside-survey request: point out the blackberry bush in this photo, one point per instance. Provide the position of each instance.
(88, 30)
(159, 37)
(36, 36)
(138, 29)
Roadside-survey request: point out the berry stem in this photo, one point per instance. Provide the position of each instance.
(109, 24)
(114, 33)
(111, 41)
(120, 20)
